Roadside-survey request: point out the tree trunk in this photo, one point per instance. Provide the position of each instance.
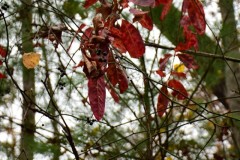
(231, 43)
(28, 116)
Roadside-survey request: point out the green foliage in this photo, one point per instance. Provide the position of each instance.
(72, 7)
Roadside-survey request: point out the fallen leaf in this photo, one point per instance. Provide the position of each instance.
(31, 59)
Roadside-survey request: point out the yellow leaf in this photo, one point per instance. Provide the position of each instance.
(31, 59)
(179, 67)
(168, 158)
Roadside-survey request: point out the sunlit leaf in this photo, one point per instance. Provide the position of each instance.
(31, 59)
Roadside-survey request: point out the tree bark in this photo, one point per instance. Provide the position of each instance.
(230, 40)
(28, 116)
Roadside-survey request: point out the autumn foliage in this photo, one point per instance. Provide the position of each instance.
(107, 39)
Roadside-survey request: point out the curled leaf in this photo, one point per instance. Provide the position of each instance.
(31, 59)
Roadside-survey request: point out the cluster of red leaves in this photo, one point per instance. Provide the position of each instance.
(193, 16)
(178, 90)
(3, 54)
(99, 59)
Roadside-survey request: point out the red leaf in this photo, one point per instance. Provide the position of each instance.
(179, 90)
(2, 76)
(190, 40)
(132, 40)
(87, 34)
(143, 18)
(117, 42)
(195, 11)
(160, 73)
(80, 64)
(158, 2)
(179, 74)
(113, 93)
(145, 21)
(166, 9)
(124, 3)
(162, 101)
(97, 96)
(137, 12)
(116, 75)
(3, 52)
(163, 61)
(188, 61)
(143, 3)
(88, 3)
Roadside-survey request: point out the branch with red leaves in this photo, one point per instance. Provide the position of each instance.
(98, 58)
